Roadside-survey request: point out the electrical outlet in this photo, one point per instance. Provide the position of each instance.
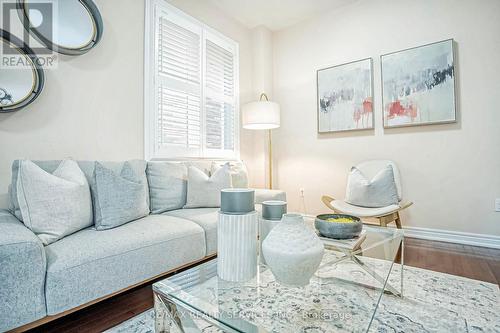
(301, 192)
(497, 205)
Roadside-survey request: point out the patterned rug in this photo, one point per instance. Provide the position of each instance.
(433, 302)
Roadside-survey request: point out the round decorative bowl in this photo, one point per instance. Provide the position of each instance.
(338, 226)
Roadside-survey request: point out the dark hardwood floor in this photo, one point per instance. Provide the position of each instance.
(473, 262)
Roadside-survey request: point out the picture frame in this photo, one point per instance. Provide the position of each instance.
(345, 97)
(419, 85)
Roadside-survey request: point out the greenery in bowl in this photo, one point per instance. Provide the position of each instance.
(339, 226)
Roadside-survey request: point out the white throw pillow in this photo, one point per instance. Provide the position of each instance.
(54, 205)
(238, 171)
(381, 191)
(204, 191)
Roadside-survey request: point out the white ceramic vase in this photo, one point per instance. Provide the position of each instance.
(292, 251)
(237, 246)
(265, 227)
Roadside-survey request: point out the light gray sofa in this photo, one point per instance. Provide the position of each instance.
(37, 281)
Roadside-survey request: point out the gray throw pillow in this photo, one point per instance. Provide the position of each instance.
(118, 198)
(381, 191)
(53, 205)
(167, 186)
(204, 191)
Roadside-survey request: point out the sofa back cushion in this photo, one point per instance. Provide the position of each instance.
(167, 186)
(87, 168)
(53, 205)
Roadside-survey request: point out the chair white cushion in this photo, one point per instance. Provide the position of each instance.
(204, 191)
(380, 191)
(344, 207)
(53, 205)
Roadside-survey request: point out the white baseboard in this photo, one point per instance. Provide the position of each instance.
(465, 238)
(448, 236)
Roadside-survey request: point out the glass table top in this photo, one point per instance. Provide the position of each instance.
(342, 296)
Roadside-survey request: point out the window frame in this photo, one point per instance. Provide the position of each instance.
(150, 86)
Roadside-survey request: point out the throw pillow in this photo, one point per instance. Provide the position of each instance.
(238, 171)
(381, 191)
(118, 198)
(53, 205)
(167, 186)
(204, 191)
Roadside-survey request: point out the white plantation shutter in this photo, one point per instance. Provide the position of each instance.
(178, 81)
(219, 98)
(194, 113)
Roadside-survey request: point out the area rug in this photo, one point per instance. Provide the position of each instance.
(432, 302)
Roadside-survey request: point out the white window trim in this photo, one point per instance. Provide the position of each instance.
(149, 84)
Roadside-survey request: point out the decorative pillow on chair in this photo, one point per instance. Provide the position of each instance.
(381, 191)
(53, 205)
(238, 171)
(118, 198)
(204, 191)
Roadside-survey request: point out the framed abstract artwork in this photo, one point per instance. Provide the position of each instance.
(418, 85)
(345, 97)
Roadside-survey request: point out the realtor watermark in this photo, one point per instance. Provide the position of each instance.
(30, 28)
(323, 315)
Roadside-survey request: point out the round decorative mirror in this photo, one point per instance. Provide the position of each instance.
(70, 27)
(21, 77)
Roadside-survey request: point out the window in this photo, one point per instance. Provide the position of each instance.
(191, 90)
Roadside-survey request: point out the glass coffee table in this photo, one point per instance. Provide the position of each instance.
(342, 296)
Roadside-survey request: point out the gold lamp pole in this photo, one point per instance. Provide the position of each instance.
(263, 115)
(269, 147)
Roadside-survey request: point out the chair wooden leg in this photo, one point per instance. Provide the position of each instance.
(398, 221)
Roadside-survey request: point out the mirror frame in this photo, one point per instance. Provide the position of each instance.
(94, 14)
(38, 74)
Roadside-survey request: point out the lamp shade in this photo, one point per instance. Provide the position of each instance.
(260, 115)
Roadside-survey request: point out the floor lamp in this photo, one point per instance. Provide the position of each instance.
(262, 115)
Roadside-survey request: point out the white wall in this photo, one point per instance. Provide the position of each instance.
(92, 105)
(262, 82)
(451, 172)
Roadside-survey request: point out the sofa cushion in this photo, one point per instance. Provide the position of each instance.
(167, 185)
(91, 264)
(204, 191)
(22, 274)
(86, 166)
(237, 169)
(54, 205)
(118, 197)
(204, 217)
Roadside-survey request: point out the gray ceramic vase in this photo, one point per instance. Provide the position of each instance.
(273, 209)
(237, 201)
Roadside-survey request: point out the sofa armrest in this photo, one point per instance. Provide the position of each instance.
(262, 195)
(22, 274)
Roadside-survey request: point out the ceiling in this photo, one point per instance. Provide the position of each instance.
(276, 14)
